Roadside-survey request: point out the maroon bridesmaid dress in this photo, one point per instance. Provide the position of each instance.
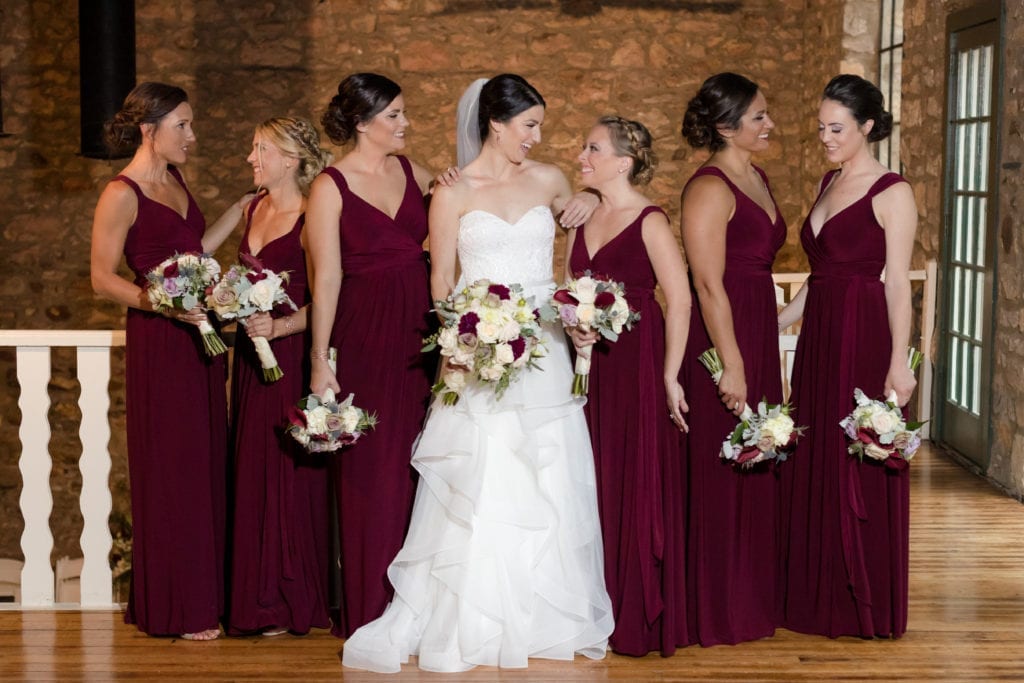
(641, 483)
(176, 411)
(846, 522)
(732, 554)
(279, 543)
(382, 317)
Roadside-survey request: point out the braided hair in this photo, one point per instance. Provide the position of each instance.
(297, 138)
(632, 139)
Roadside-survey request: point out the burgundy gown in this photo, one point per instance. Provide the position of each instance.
(641, 482)
(176, 413)
(382, 317)
(732, 555)
(279, 541)
(847, 522)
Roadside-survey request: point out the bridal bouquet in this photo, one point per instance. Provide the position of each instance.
(877, 428)
(767, 434)
(321, 424)
(489, 332)
(590, 302)
(248, 288)
(182, 282)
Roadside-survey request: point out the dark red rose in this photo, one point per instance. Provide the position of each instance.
(172, 269)
(563, 296)
(501, 291)
(866, 436)
(518, 346)
(747, 454)
(250, 261)
(604, 299)
(467, 323)
(296, 416)
(255, 276)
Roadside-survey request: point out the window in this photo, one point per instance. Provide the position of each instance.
(890, 77)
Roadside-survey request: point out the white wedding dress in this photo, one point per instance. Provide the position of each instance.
(503, 559)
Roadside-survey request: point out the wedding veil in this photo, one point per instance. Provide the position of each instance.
(467, 128)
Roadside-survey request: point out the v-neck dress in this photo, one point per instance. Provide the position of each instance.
(641, 483)
(176, 415)
(279, 538)
(846, 522)
(732, 591)
(382, 317)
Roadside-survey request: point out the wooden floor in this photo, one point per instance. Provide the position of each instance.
(966, 623)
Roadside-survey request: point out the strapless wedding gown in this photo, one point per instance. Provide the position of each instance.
(503, 559)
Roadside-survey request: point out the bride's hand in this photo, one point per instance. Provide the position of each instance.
(578, 209)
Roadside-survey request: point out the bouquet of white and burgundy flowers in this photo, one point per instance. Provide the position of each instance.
(767, 434)
(490, 332)
(182, 282)
(321, 423)
(249, 288)
(590, 302)
(877, 428)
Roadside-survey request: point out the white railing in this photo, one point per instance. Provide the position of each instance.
(33, 370)
(36, 502)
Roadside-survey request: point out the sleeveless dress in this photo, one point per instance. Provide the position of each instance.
(279, 541)
(382, 317)
(503, 559)
(641, 483)
(732, 554)
(176, 415)
(847, 522)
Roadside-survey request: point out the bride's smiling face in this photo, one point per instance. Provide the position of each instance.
(519, 134)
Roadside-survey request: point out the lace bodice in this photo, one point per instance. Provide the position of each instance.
(520, 252)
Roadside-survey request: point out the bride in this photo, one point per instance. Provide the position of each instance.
(503, 559)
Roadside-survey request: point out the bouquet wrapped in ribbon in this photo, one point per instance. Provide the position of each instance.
(768, 433)
(247, 288)
(182, 282)
(590, 302)
(321, 423)
(877, 429)
(489, 332)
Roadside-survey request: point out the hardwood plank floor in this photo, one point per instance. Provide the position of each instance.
(966, 623)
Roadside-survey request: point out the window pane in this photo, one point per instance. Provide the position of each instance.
(985, 82)
(979, 305)
(981, 166)
(982, 222)
(897, 21)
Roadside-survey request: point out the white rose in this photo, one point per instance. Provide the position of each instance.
(448, 339)
(455, 380)
(883, 422)
(585, 290)
(463, 355)
(503, 354)
(585, 313)
(211, 267)
(491, 373)
(487, 331)
(188, 261)
(779, 427)
(510, 330)
(316, 420)
(261, 295)
(350, 419)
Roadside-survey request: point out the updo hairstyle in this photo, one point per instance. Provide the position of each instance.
(721, 101)
(632, 139)
(865, 102)
(504, 97)
(148, 102)
(360, 97)
(298, 139)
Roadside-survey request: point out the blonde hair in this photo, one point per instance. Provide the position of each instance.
(297, 138)
(632, 139)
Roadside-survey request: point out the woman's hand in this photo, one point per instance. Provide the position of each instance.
(677, 404)
(195, 316)
(732, 389)
(901, 380)
(582, 337)
(260, 325)
(446, 178)
(578, 209)
(322, 377)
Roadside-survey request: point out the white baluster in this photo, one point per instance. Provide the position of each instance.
(94, 401)
(35, 464)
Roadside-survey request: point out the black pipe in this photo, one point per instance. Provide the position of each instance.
(106, 37)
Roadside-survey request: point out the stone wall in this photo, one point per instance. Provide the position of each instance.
(242, 62)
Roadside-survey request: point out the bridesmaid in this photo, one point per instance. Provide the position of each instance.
(732, 229)
(846, 521)
(367, 215)
(640, 477)
(279, 542)
(175, 396)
